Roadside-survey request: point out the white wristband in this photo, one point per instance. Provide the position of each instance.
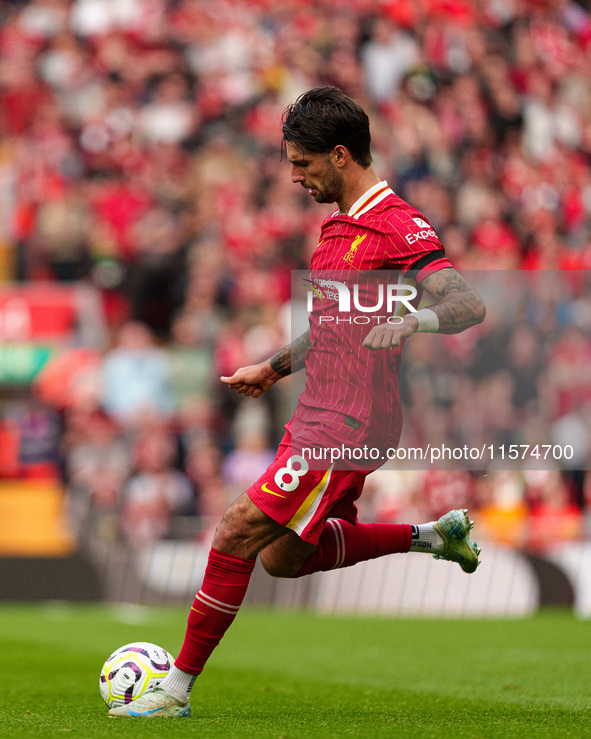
(428, 321)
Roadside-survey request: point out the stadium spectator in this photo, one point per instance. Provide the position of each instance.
(136, 377)
(98, 464)
(155, 492)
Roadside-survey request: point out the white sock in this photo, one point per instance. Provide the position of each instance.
(426, 539)
(178, 684)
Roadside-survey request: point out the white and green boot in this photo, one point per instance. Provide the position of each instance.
(454, 528)
(153, 704)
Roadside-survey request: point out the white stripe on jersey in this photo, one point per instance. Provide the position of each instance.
(368, 196)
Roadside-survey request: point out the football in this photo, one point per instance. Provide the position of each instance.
(131, 670)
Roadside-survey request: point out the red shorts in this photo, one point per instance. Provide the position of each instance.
(300, 498)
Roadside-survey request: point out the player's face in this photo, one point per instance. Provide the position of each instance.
(317, 173)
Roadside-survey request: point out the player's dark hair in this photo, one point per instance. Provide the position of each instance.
(325, 117)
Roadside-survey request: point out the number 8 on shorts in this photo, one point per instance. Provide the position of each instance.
(293, 474)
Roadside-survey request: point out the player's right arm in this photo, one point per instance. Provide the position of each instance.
(256, 379)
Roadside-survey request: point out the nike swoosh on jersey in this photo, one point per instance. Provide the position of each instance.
(272, 492)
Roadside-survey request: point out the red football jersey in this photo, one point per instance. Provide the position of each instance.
(352, 392)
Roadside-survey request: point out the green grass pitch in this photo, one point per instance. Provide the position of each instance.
(292, 675)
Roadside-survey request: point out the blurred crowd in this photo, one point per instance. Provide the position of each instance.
(140, 153)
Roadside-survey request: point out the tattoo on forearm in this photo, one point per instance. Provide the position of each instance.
(459, 306)
(291, 358)
(458, 313)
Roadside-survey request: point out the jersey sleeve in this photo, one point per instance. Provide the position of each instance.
(429, 263)
(414, 245)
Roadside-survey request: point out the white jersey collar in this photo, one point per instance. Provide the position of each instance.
(369, 199)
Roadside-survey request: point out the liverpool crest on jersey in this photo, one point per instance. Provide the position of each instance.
(350, 255)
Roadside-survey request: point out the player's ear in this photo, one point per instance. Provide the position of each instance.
(340, 155)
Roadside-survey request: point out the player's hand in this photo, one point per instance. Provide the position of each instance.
(253, 380)
(388, 335)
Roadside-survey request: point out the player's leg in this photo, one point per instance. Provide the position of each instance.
(287, 555)
(341, 544)
(242, 533)
(331, 538)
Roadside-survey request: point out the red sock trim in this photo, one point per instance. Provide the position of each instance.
(215, 606)
(341, 544)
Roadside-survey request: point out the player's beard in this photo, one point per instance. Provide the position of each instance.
(333, 186)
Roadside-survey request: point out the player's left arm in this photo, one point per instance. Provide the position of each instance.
(458, 307)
